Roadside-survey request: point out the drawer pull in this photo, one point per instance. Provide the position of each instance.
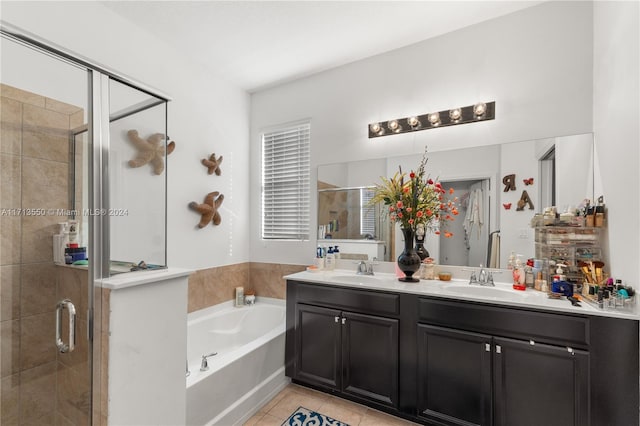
(570, 350)
(487, 347)
(498, 349)
(336, 319)
(344, 320)
(532, 343)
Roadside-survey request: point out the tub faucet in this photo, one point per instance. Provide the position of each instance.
(205, 366)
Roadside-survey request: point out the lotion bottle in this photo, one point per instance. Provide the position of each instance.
(239, 296)
(518, 276)
(330, 260)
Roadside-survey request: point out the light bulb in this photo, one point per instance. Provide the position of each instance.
(455, 114)
(479, 109)
(375, 127)
(413, 121)
(434, 118)
(393, 125)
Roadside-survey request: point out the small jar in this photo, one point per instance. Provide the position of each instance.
(428, 269)
(250, 297)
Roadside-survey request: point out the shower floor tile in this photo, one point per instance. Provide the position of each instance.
(293, 396)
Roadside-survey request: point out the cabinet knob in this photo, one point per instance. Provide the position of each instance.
(498, 349)
(336, 319)
(344, 320)
(487, 347)
(532, 343)
(570, 350)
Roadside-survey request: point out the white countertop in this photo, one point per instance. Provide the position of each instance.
(458, 289)
(132, 279)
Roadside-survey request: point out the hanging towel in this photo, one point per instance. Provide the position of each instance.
(474, 213)
(494, 250)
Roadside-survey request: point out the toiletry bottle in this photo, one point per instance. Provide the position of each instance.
(538, 282)
(518, 276)
(336, 253)
(330, 260)
(528, 277)
(239, 296)
(319, 258)
(512, 261)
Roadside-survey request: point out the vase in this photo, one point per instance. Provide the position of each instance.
(422, 252)
(408, 261)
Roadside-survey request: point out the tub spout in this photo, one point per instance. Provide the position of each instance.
(205, 366)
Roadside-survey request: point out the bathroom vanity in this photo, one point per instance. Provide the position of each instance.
(453, 354)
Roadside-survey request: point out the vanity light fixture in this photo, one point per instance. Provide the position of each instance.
(481, 111)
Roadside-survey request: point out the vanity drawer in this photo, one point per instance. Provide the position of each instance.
(564, 330)
(371, 302)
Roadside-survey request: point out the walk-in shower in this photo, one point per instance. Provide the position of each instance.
(67, 153)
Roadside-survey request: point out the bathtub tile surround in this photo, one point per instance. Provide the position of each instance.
(212, 286)
(337, 408)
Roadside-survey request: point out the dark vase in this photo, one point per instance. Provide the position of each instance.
(408, 261)
(422, 252)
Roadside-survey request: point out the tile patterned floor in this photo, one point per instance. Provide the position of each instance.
(293, 396)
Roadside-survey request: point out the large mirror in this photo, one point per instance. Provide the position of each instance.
(559, 171)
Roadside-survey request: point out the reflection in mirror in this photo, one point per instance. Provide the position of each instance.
(562, 173)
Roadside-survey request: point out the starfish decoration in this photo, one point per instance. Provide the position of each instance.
(150, 150)
(209, 209)
(212, 164)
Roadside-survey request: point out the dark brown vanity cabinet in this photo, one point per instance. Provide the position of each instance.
(467, 378)
(353, 353)
(440, 361)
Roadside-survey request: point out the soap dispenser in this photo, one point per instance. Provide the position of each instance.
(330, 260)
(518, 275)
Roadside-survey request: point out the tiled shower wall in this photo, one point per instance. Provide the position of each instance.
(34, 155)
(208, 287)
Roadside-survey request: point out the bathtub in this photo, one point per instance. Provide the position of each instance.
(248, 369)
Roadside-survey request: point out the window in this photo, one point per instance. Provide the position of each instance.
(367, 213)
(285, 183)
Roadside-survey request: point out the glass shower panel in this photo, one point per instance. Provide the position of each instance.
(43, 99)
(137, 179)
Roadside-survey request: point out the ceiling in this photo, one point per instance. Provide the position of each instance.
(258, 44)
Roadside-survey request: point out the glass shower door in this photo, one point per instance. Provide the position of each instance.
(45, 358)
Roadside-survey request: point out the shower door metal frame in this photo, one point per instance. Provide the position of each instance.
(98, 130)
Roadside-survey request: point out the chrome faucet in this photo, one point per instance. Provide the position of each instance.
(204, 366)
(484, 277)
(364, 268)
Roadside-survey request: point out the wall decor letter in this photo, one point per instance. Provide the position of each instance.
(150, 150)
(212, 164)
(209, 209)
(524, 199)
(509, 183)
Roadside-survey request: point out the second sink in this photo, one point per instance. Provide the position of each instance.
(493, 292)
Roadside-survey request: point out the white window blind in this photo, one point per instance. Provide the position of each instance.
(367, 213)
(285, 183)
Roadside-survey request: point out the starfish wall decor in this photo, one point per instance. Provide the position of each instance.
(209, 209)
(212, 164)
(150, 150)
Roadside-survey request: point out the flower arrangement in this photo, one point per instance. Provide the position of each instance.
(416, 200)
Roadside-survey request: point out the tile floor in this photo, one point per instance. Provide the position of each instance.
(293, 396)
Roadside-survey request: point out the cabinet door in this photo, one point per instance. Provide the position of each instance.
(454, 376)
(317, 345)
(538, 384)
(370, 357)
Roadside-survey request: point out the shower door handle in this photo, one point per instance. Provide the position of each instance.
(66, 347)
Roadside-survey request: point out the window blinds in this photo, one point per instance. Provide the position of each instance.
(285, 183)
(367, 213)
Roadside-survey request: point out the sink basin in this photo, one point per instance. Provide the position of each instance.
(493, 292)
(359, 279)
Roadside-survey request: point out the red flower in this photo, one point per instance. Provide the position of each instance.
(437, 232)
(429, 212)
(419, 214)
(412, 175)
(399, 204)
(448, 234)
(451, 191)
(410, 221)
(406, 189)
(399, 215)
(430, 181)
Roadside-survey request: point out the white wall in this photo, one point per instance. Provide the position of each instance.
(616, 108)
(207, 114)
(536, 64)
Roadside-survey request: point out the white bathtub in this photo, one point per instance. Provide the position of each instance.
(248, 369)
